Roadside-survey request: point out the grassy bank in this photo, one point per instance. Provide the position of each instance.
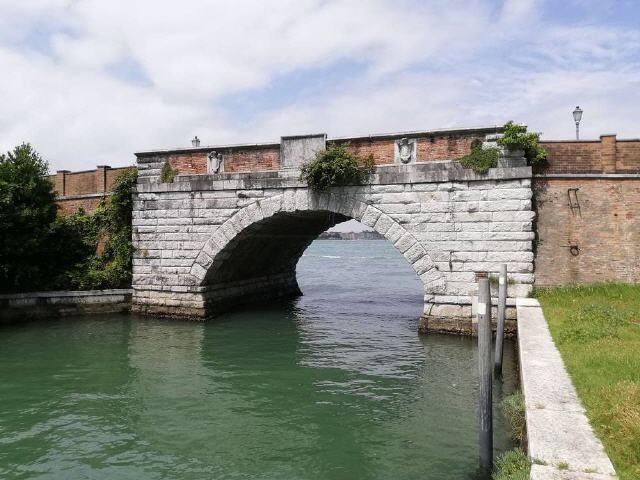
(597, 330)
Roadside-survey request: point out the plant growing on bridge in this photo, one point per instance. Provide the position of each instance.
(336, 167)
(167, 173)
(480, 159)
(516, 137)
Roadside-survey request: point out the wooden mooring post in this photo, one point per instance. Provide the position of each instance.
(486, 377)
(502, 312)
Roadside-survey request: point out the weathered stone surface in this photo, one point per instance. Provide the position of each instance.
(557, 428)
(206, 242)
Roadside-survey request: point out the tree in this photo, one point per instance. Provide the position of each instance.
(27, 210)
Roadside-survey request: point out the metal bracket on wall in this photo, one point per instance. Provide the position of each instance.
(574, 249)
(574, 203)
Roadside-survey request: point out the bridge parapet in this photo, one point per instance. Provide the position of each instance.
(207, 242)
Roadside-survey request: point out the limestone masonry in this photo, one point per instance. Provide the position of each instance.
(207, 242)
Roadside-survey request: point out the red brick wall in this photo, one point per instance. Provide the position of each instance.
(267, 157)
(606, 230)
(189, 163)
(606, 226)
(382, 150)
(69, 185)
(445, 148)
(88, 205)
(251, 159)
(594, 156)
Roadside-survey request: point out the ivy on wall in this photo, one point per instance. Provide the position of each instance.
(108, 232)
(480, 159)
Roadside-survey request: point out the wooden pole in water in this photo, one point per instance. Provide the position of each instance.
(484, 367)
(502, 309)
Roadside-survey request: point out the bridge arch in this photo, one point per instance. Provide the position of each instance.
(253, 255)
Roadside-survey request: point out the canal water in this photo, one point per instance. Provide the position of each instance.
(334, 385)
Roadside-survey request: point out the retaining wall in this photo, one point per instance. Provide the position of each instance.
(558, 432)
(23, 306)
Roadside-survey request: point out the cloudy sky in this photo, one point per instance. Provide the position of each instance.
(91, 81)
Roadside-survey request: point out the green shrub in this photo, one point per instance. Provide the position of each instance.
(512, 465)
(335, 167)
(167, 173)
(516, 137)
(480, 159)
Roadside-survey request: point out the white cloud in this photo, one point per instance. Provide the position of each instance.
(424, 65)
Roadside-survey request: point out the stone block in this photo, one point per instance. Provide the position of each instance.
(383, 224)
(370, 216)
(405, 242)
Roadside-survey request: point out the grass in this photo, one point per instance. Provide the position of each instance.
(597, 330)
(513, 406)
(512, 465)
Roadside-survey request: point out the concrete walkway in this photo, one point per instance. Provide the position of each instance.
(559, 437)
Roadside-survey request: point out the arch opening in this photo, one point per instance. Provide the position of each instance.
(252, 258)
(259, 264)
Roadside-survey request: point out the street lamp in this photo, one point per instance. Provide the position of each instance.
(577, 116)
(195, 142)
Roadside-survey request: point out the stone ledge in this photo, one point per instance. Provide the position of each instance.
(66, 293)
(421, 172)
(558, 430)
(21, 306)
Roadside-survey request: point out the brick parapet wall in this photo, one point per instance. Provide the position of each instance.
(83, 190)
(430, 146)
(606, 155)
(588, 202)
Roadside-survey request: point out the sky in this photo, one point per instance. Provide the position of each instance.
(90, 82)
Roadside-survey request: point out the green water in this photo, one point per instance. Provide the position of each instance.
(335, 385)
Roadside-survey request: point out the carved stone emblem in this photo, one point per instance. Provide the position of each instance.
(406, 150)
(215, 161)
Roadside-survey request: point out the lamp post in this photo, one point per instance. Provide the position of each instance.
(577, 116)
(195, 142)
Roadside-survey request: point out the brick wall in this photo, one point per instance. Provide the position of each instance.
(266, 157)
(607, 155)
(598, 239)
(83, 190)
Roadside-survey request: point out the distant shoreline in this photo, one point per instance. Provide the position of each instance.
(350, 236)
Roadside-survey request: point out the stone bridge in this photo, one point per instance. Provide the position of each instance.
(231, 227)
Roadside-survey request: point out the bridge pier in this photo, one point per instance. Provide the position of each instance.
(207, 243)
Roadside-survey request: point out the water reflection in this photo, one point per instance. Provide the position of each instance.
(329, 386)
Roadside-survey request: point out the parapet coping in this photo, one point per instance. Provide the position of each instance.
(66, 293)
(427, 172)
(375, 136)
(588, 175)
(558, 431)
(81, 196)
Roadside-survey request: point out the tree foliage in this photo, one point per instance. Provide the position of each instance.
(40, 250)
(27, 210)
(336, 167)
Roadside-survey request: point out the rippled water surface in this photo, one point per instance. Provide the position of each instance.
(335, 385)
